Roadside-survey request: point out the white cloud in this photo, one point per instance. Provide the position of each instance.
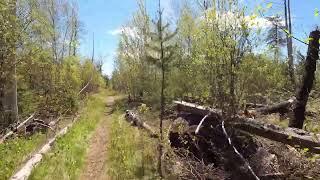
(260, 22)
(168, 9)
(114, 32)
(254, 22)
(132, 32)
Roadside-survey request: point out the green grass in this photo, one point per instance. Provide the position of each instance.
(14, 152)
(132, 154)
(67, 157)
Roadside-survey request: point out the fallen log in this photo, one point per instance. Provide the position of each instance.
(136, 121)
(281, 108)
(197, 109)
(9, 134)
(290, 136)
(26, 170)
(255, 105)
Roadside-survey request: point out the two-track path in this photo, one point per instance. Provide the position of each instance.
(95, 167)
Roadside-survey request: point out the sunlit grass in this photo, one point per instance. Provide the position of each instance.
(14, 152)
(132, 154)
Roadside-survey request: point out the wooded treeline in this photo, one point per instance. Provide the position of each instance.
(218, 56)
(40, 68)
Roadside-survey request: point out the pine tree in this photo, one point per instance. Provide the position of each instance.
(276, 37)
(161, 53)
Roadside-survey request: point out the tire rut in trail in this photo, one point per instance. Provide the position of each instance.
(95, 164)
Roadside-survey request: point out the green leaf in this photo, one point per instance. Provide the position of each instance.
(287, 31)
(269, 5)
(316, 12)
(259, 8)
(308, 40)
(253, 16)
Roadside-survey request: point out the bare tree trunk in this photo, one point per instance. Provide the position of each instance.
(92, 58)
(14, 98)
(74, 35)
(2, 89)
(307, 81)
(276, 51)
(161, 118)
(232, 75)
(11, 89)
(162, 100)
(289, 42)
(75, 40)
(53, 13)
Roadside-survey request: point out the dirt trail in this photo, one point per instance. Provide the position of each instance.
(95, 163)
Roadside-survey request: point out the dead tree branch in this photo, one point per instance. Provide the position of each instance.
(9, 134)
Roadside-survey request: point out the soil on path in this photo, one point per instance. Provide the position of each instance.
(95, 164)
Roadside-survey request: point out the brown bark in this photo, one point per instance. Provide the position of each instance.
(283, 107)
(304, 90)
(162, 98)
(293, 137)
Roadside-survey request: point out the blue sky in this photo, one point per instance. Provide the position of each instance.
(105, 17)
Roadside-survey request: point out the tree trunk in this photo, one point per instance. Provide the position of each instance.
(75, 39)
(9, 105)
(289, 42)
(162, 100)
(307, 81)
(13, 74)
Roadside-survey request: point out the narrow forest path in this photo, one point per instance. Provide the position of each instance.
(95, 164)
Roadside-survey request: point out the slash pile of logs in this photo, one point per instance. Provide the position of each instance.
(209, 136)
(217, 139)
(290, 136)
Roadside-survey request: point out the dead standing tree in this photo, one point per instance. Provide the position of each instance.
(303, 91)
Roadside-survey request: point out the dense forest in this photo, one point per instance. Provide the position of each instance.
(218, 89)
(41, 69)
